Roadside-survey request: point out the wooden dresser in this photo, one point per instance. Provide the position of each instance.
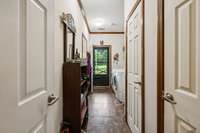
(75, 95)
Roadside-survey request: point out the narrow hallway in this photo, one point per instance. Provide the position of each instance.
(106, 114)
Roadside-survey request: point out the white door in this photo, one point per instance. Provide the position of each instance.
(26, 66)
(182, 66)
(135, 70)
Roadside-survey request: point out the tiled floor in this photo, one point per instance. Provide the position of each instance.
(106, 114)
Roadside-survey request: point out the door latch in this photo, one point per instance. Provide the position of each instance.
(52, 99)
(169, 98)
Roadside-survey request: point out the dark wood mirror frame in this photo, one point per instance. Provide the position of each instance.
(68, 23)
(66, 45)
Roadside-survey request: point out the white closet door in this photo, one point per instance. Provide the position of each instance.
(26, 73)
(135, 70)
(182, 66)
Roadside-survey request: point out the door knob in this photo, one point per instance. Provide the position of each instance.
(52, 99)
(140, 83)
(169, 98)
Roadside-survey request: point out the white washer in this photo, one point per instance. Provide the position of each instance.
(118, 84)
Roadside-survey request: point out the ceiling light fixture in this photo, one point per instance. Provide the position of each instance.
(101, 29)
(98, 22)
(113, 24)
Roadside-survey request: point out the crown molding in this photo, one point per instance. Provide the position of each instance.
(84, 16)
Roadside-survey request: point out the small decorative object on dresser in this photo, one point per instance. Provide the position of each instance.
(77, 55)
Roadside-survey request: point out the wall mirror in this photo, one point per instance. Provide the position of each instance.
(69, 36)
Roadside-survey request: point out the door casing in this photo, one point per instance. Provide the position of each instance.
(160, 67)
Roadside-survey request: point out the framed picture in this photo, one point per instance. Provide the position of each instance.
(84, 46)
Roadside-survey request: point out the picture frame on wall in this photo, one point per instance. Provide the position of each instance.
(84, 46)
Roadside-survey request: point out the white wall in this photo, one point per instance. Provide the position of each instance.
(151, 66)
(117, 43)
(67, 6)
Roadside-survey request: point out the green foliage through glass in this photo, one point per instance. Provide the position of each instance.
(101, 60)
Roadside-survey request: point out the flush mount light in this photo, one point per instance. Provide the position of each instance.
(113, 24)
(101, 29)
(98, 22)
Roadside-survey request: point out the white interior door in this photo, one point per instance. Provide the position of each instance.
(135, 70)
(182, 66)
(130, 75)
(26, 72)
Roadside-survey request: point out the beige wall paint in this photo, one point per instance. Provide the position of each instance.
(151, 66)
(67, 6)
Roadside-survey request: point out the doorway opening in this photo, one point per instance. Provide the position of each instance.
(106, 111)
(101, 66)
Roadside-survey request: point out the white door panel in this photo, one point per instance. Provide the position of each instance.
(135, 70)
(35, 44)
(130, 106)
(26, 72)
(182, 63)
(137, 108)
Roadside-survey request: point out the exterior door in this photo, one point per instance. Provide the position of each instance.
(135, 70)
(182, 66)
(101, 66)
(26, 67)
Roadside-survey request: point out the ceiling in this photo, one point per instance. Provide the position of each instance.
(104, 15)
